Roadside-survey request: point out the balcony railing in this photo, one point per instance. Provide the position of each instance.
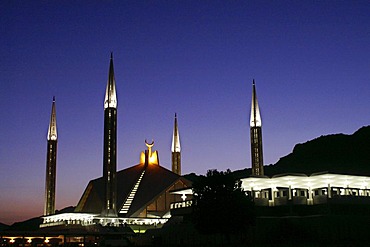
(182, 204)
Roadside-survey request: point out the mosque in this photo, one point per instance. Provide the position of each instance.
(146, 194)
(138, 195)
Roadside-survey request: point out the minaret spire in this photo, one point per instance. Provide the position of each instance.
(256, 136)
(110, 145)
(176, 149)
(110, 93)
(255, 110)
(51, 160)
(52, 131)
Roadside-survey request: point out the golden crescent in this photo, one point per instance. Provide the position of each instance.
(149, 144)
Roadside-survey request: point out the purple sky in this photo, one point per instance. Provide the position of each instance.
(310, 60)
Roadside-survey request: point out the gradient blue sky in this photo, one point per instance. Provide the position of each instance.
(310, 60)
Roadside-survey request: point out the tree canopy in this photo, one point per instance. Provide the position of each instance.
(220, 204)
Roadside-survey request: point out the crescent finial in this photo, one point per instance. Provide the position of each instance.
(149, 145)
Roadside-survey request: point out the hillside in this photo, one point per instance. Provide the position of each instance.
(32, 224)
(3, 226)
(27, 225)
(339, 153)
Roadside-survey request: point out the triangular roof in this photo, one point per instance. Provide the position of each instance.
(154, 182)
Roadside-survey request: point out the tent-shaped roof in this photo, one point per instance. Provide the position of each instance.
(142, 183)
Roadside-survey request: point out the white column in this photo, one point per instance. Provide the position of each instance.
(310, 201)
(272, 201)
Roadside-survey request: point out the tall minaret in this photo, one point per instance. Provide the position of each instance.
(51, 162)
(110, 146)
(176, 149)
(256, 136)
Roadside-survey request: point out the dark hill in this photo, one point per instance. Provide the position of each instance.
(34, 223)
(27, 225)
(3, 227)
(339, 153)
(69, 209)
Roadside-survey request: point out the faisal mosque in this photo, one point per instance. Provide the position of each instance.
(146, 194)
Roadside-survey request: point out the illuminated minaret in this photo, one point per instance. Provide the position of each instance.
(110, 147)
(51, 162)
(176, 149)
(256, 136)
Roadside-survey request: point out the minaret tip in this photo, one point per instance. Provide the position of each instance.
(52, 130)
(176, 149)
(110, 100)
(175, 137)
(255, 120)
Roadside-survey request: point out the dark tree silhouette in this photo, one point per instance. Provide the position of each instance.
(220, 205)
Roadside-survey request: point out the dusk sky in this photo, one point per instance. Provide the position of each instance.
(310, 61)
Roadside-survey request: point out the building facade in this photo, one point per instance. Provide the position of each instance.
(300, 189)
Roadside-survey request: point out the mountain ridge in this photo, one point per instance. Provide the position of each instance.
(335, 153)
